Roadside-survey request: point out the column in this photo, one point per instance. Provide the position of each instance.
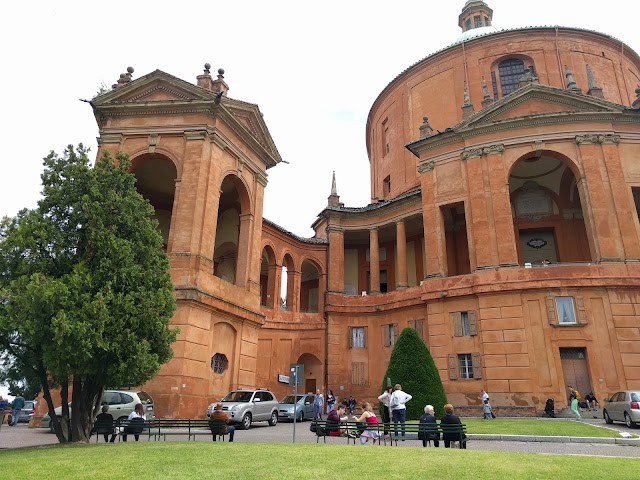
(401, 241)
(336, 259)
(432, 221)
(244, 251)
(374, 261)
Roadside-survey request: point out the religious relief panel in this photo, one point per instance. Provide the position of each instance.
(533, 202)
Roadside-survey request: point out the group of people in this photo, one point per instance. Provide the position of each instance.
(590, 402)
(330, 400)
(104, 424)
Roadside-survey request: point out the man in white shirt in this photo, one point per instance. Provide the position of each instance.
(398, 408)
(485, 396)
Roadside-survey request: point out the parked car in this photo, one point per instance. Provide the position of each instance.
(121, 404)
(247, 406)
(304, 407)
(27, 411)
(623, 407)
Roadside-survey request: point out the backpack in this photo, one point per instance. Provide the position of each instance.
(578, 397)
(395, 401)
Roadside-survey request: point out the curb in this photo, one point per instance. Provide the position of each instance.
(635, 442)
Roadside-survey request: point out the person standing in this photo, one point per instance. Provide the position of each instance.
(386, 416)
(318, 402)
(331, 401)
(352, 404)
(573, 398)
(486, 408)
(221, 418)
(485, 396)
(398, 408)
(16, 408)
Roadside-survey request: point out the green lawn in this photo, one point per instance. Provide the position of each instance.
(540, 427)
(202, 460)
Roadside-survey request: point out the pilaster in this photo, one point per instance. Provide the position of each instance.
(401, 241)
(336, 259)
(374, 261)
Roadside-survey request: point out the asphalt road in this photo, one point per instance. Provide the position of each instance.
(23, 436)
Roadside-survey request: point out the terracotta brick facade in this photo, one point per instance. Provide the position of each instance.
(504, 228)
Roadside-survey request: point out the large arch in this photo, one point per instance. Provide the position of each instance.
(546, 204)
(287, 282)
(268, 268)
(313, 372)
(310, 273)
(156, 181)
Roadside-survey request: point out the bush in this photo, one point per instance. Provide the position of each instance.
(412, 366)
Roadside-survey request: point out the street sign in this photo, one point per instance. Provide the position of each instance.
(296, 377)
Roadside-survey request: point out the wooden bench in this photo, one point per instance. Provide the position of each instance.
(323, 429)
(416, 431)
(175, 426)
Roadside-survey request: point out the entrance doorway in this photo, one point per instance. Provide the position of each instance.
(575, 370)
(310, 385)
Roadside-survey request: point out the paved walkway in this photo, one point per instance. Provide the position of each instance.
(22, 436)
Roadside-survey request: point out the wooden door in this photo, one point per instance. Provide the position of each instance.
(575, 370)
(310, 385)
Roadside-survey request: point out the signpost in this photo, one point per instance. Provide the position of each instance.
(296, 378)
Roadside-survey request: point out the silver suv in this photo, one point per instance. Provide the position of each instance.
(246, 406)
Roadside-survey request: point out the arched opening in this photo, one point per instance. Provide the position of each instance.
(230, 230)
(286, 284)
(267, 277)
(547, 211)
(156, 182)
(313, 373)
(309, 286)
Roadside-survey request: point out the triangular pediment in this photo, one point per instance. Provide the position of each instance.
(157, 86)
(536, 100)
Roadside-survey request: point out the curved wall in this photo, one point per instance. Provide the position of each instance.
(434, 87)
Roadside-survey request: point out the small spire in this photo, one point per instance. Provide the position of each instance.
(334, 198)
(594, 89)
(425, 128)
(486, 96)
(219, 85)
(204, 80)
(207, 68)
(571, 82)
(467, 106)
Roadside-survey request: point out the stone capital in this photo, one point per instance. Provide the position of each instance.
(471, 153)
(493, 149)
(335, 229)
(609, 139)
(586, 139)
(218, 140)
(109, 138)
(426, 166)
(195, 134)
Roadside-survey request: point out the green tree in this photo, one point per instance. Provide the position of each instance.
(85, 292)
(412, 366)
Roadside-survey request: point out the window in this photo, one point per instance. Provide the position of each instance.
(418, 326)
(467, 24)
(464, 366)
(358, 376)
(219, 363)
(357, 338)
(477, 21)
(385, 136)
(494, 84)
(386, 185)
(389, 334)
(635, 191)
(566, 312)
(510, 72)
(487, 22)
(464, 324)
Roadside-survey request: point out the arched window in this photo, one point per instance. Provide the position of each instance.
(510, 72)
(219, 363)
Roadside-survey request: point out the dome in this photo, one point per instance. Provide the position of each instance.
(476, 32)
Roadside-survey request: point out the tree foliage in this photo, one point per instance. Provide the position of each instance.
(85, 292)
(412, 366)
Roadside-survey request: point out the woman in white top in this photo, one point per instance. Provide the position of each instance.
(386, 416)
(138, 412)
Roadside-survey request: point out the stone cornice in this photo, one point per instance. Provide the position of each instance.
(591, 139)
(110, 138)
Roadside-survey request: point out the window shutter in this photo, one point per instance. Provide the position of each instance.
(385, 335)
(395, 332)
(457, 324)
(552, 316)
(582, 313)
(473, 326)
(453, 366)
(350, 337)
(475, 362)
(364, 337)
(418, 326)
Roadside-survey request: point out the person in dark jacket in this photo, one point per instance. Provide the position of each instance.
(429, 419)
(451, 419)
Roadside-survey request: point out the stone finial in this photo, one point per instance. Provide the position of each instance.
(636, 102)
(425, 128)
(205, 81)
(219, 85)
(594, 89)
(571, 82)
(334, 198)
(467, 106)
(129, 73)
(486, 96)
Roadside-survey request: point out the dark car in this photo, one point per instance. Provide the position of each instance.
(27, 411)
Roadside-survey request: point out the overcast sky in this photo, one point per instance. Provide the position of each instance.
(314, 69)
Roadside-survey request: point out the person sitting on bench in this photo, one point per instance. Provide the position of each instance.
(223, 419)
(451, 419)
(136, 423)
(104, 425)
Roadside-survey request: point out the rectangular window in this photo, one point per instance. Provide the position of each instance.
(486, 21)
(467, 24)
(566, 310)
(418, 326)
(357, 337)
(477, 21)
(464, 323)
(386, 186)
(465, 363)
(358, 376)
(385, 137)
(389, 334)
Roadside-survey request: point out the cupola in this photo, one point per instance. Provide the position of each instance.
(475, 14)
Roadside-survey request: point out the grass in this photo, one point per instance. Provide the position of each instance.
(561, 428)
(167, 460)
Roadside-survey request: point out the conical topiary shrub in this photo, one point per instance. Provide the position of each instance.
(412, 366)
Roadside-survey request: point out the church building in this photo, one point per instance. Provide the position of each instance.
(503, 227)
